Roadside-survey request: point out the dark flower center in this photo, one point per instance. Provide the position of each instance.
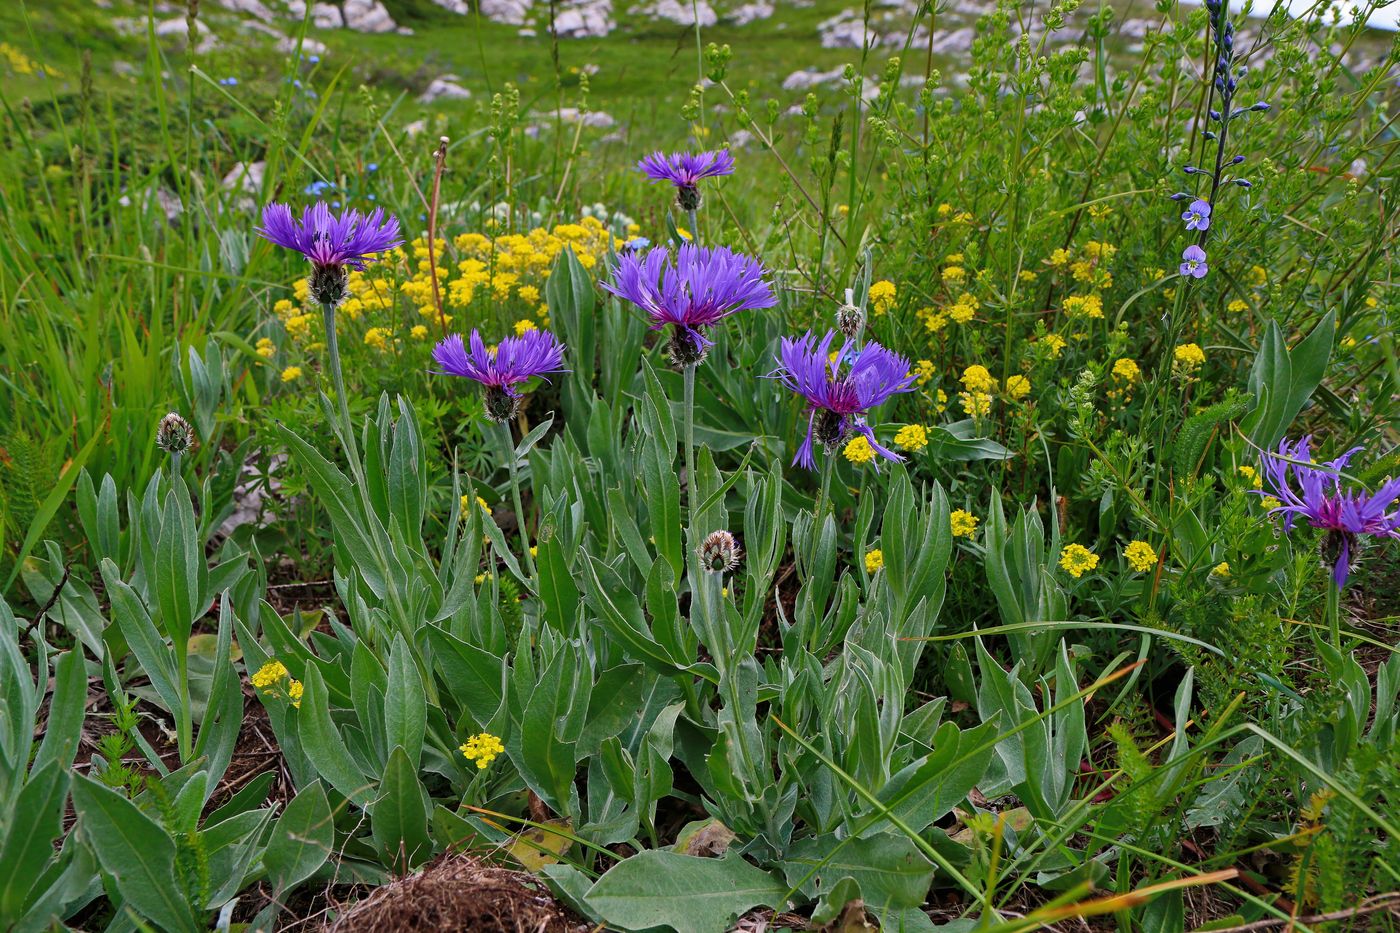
(500, 405)
(685, 347)
(688, 199)
(829, 428)
(328, 284)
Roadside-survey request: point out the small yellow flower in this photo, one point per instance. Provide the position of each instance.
(1077, 559)
(911, 437)
(294, 691)
(265, 348)
(269, 674)
(1221, 570)
(964, 523)
(858, 450)
(1259, 275)
(882, 296)
(528, 294)
(954, 275)
(524, 326)
(418, 332)
(1189, 357)
(1237, 306)
(1059, 258)
(1250, 474)
(923, 370)
(977, 379)
(944, 210)
(1126, 370)
(1140, 556)
(482, 748)
(1269, 503)
(377, 337)
(975, 404)
(874, 560)
(1054, 344)
(1017, 387)
(291, 374)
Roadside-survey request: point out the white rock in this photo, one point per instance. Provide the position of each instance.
(509, 12)
(444, 88)
(367, 16)
(326, 16)
(246, 177)
(679, 11)
(810, 77)
(526, 32)
(750, 13)
(254, 8)
(584, 19)
(454, 6)
(179, 27)
(955, 40)
(595, 119)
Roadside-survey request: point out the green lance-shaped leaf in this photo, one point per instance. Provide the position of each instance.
(683, 892)
(302, 840)
(135, 851)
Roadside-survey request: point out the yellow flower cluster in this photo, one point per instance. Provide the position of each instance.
(1140, 556)
(858, 450)
(1085, 306)
(911, 437)
(964, 523)
(874, 560)
(1054, 345)
(976, 378)
(1077, 560)
(1188, 357)
(1017, 387)
(923, 371)
(269, 679)
(482, 748)
(1126, 370)
(882, 296)
(1250, 475)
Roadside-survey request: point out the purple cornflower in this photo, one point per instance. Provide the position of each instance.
(503, 368)
(1197, 215)
(840, 389)
(1320, 498)
(1193, 262)
(685, 169)
(700, 289)
(333, 244)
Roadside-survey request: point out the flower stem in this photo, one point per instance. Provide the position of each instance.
(508, 441)
(347, 427)
(828, 465)
(694, 227)
(1334, 611)
(688, 413)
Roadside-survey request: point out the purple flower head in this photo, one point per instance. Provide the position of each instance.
(1314, 492)
(685, 169)
(1197, 215)
(503, 368)
(332, 243)
(700, 289)
(1193, 262)
(839, 388)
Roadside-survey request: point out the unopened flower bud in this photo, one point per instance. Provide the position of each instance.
(850, 320)
(174, 434)
(328, 285)
(719, 552)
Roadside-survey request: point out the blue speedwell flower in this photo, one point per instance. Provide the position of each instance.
(332, 243)
(840, 388)
(700, 289)
(501, 369)
(685, 170)
(1197, 215)
(1314, 493)
(1193, 262)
